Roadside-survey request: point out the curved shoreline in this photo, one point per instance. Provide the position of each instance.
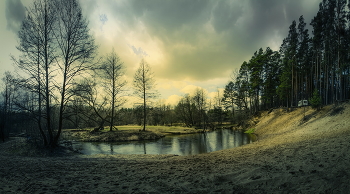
(311, 157)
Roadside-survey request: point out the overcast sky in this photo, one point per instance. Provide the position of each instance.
(188, 43)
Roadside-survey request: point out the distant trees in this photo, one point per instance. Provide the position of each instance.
(254, 86)
(231, 98)
(144, 84)
(7, 104)
(161, 114)
(185, 111)
(192, 109)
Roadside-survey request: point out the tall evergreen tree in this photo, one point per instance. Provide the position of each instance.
(303, 61)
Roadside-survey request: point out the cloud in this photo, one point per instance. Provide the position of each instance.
(173, 100)
(225, 14)
(164, 85)
(191, 89)
(194, 41)
(103, 18)
(205, 39)
(138, 51)
(217, 94)
(179, 84)
(15, 13)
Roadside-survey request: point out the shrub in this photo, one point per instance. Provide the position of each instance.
(315, 100)
(250, 131)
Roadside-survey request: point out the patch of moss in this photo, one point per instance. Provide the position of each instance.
(250, 131)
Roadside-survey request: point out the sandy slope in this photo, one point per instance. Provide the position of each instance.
(291, 156)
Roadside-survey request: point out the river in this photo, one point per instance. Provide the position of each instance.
(189, 144)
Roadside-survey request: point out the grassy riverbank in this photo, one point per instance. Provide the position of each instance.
(292, 155)
(124, 133)
(160, 129)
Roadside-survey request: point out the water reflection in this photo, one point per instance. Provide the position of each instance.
(175, 144)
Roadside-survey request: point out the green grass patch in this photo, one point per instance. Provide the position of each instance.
(250, 131)
(158, 129)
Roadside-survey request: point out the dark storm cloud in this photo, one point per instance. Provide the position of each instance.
(165, 18)
(275, 16)
(15, 13)
(225, 15)
(215, 37)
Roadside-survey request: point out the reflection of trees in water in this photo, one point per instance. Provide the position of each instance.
(227, 139)
(111, 146)
(219, 144)
(203, 144)
(181, 145)
(207, 142)
(244, 139)
(98, 147)
(176, 146)
(187, 145)
(238, 138)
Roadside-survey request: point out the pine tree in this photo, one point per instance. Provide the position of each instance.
(315, 100)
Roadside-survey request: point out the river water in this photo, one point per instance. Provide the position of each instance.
(189, 144)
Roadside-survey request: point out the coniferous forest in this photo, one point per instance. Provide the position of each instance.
(308, 64)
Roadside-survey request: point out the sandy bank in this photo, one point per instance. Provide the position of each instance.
(292, 155)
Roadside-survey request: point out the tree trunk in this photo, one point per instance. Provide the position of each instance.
(144, 110)
(60, 118)
(113, 100)
(47, 89)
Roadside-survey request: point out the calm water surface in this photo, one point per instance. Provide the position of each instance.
(189, 144)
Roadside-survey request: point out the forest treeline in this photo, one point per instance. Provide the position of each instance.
(312, 68)
(62, 82)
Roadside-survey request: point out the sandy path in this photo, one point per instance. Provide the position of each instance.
(311, 157)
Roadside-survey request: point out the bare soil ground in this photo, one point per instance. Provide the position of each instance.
(293, 155)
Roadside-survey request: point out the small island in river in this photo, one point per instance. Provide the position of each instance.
(125, 133)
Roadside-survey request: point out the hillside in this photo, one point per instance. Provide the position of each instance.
(292, 155)
(302, 124)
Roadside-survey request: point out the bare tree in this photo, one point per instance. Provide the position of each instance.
(144, 84)
(111, 74)
(37, 45)
(76, 50)
(54, 33)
